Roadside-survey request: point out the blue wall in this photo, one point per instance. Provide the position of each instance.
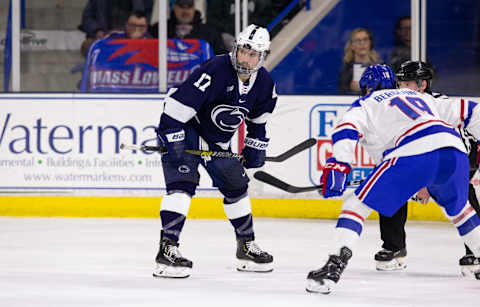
(312, 67)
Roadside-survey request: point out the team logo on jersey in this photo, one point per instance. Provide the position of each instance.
(228, 118)
(184, 169)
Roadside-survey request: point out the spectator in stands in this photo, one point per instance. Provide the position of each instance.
(135, 28)
(403, 38)
(102, 16)
(359, 54)
(186, 22)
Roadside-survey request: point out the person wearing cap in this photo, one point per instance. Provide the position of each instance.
(186, 22)
(101, 17)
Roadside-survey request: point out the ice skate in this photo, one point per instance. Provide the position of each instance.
(251, 258)
(324, 279)
(388, 260)
(470, 266)
(169, 261)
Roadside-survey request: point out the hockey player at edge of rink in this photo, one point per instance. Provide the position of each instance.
(412, 137)
(204, 113)
(418, 76)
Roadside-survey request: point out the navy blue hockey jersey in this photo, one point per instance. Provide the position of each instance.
(215, 102)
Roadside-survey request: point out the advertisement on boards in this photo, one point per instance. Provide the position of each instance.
(60, 143)
(72, 142)
(323, 119)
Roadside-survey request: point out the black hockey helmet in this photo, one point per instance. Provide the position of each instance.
(418, 71)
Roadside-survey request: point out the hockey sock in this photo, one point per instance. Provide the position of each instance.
(468, 226)
(472, 240)
(239, 212)
(174, 209)
(172, 224)
(350, 223)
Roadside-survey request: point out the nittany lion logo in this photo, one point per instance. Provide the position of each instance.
(228, 118)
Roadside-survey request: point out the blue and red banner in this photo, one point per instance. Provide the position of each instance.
(131, 65)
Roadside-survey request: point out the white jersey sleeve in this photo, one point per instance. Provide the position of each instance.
(395, 123)
(349, 130)
(461, 113)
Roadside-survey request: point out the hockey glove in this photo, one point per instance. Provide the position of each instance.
(254, 152)
(174, 141)
(334, 178)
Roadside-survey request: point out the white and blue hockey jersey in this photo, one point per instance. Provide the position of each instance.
(402, 122)
(214, 101)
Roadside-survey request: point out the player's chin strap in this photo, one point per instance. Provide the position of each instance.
(226, 154)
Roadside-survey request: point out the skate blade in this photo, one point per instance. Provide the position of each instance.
(314, 286)
(250, 266)
(471, 271)
(166, 271)
(396, 264)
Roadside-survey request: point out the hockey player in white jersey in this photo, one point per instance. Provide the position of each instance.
(417, 145)
(418, 75)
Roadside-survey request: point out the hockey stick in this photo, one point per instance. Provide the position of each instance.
(273, 181)
(203, 153)
(293, 151)
(226, 154)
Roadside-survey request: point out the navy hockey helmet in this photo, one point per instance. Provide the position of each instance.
(377, 77)
(416, 71)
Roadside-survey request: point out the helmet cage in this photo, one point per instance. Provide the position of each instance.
(254, 38)
(240, 68)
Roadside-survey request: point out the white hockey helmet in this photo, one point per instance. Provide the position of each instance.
(252, 37)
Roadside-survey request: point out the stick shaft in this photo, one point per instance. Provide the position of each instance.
(226, 154)
(293, 151)
(274, 181)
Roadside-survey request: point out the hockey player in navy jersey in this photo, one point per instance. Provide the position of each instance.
(414, 139)
(204, 113)
(418, 75)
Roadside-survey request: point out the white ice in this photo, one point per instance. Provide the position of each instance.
(108, 262)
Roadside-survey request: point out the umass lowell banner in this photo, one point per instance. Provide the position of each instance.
(131, 65)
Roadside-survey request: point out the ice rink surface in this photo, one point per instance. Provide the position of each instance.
(108, 262)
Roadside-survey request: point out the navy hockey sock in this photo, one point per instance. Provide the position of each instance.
(172, 224)
(243, 226)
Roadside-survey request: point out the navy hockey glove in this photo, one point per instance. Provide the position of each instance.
(174, 141)
(254, 152)
(334, 178)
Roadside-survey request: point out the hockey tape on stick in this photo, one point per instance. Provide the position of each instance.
(202, 153)
(226, 154)
(273, 181)
(144, 148)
